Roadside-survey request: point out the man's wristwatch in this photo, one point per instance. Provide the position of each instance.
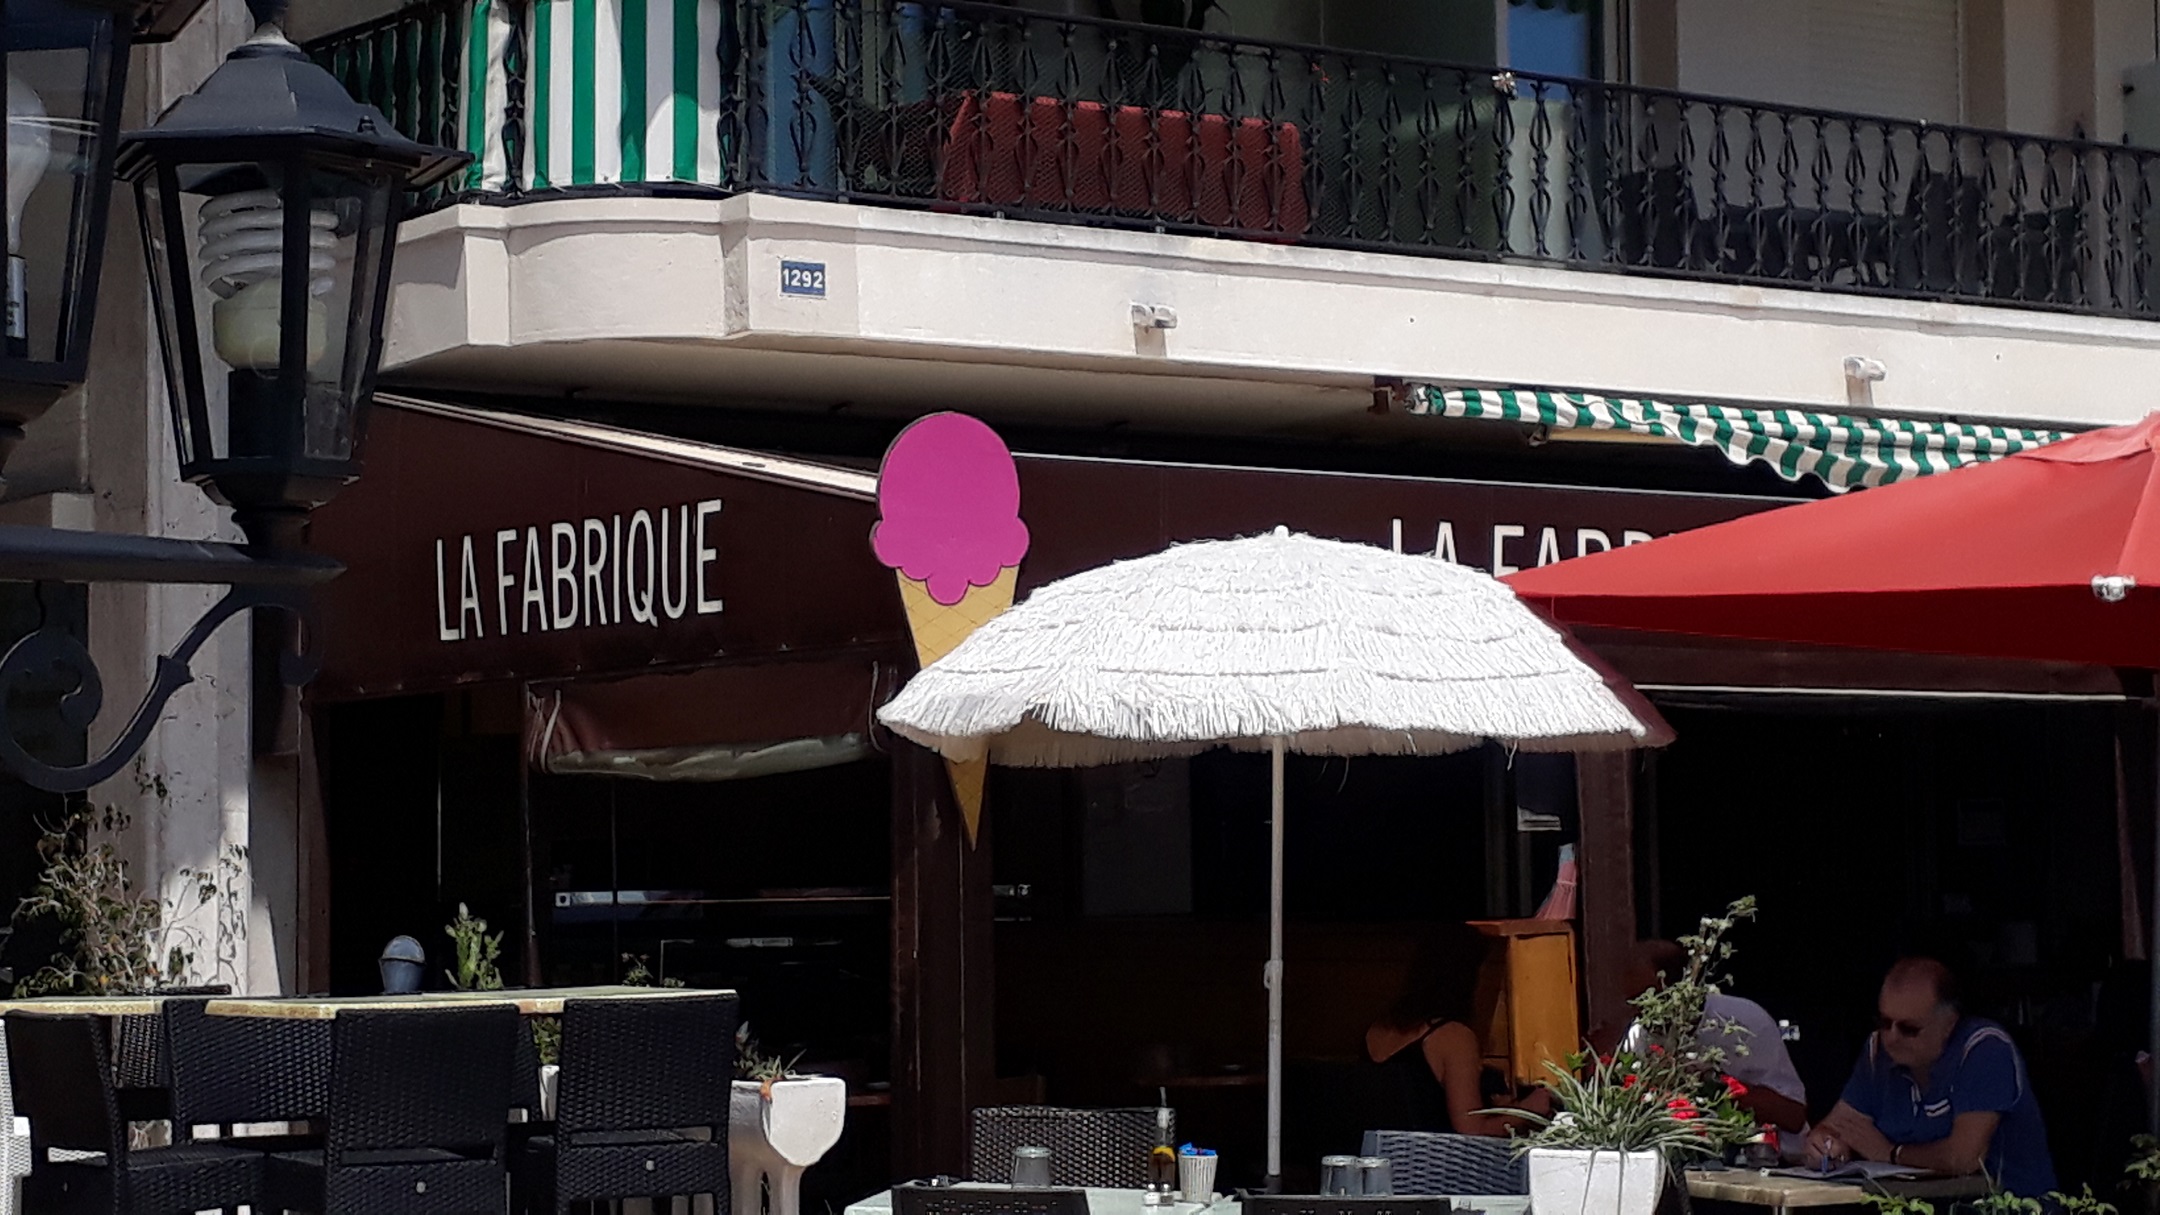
(1896, 1150)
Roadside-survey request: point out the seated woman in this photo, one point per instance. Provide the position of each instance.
(1425, 1047)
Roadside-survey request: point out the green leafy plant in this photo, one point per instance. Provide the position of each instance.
(637, 974)
(1670, 1019)
(2003, 1202)
(1611, 1104)
(114, 938)
(547, 1039)
(752, 1063)
(2144, 1165)
(1666, 1091)
(477, 967)
(1896, 1204)
(2081, 1203)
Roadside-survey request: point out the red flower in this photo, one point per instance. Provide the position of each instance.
(1683, 1109)
(1628, 1081)
(1734, 1087)
(1655, 1049)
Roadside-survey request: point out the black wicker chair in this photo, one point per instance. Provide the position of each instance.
(416, 1116)
(1428, 1162)
(142, 1075)
(62, 1070)
(228, 1070)
(1102, 1149)
(641, 1105)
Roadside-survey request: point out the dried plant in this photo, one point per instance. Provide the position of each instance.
(115, 939)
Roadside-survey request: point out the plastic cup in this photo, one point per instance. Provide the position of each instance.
(1031, 1168)
(1338, 1176)
(1376, 1177)
(1196, 1177)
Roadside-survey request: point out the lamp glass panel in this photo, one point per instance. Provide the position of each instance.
(59, 61)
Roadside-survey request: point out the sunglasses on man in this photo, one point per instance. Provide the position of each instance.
(1903, 1029)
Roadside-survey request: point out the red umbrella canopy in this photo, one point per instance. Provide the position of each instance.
(2051, 554)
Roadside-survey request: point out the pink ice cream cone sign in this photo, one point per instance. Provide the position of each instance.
(949, 506)
(949, 527)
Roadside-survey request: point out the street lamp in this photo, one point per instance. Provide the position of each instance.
(66, 67)
(269, 201)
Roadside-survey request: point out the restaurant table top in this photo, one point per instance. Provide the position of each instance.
(1127, 1202)
(1758, 1188)
(94, 1006)
(529, 1001)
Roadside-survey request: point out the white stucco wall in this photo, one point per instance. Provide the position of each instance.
(682, 299)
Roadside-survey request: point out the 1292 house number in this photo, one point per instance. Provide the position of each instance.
(802, 278)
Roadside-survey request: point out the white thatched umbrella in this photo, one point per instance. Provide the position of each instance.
(1279, 642)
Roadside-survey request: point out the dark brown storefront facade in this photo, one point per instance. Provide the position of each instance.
(602, 625)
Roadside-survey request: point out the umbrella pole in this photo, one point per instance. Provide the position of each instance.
(1273, 976)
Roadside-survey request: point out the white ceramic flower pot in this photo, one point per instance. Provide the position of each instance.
(771, 1142)
(549, 1072)
(1565, 1182)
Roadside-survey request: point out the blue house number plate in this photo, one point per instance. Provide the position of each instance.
(802, 278)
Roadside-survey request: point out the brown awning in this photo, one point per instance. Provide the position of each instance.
(487, 546)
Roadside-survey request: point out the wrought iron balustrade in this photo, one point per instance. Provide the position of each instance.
(977, 108)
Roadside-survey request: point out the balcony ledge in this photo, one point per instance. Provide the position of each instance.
(680, 299)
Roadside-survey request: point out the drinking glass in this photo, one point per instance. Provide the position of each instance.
(1338, 1176)
(1031, 1168)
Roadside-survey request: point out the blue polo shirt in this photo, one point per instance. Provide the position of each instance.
(1980, 1072)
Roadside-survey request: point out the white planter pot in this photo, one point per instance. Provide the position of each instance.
(1564, 1182)
(548, 1075)
(771, 1142)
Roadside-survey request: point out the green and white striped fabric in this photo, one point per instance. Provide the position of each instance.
(487, 43)
(1842, 450)
(617, 91)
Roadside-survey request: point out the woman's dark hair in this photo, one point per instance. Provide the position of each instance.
(1442, 981)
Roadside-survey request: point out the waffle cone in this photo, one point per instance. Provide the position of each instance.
(937, 629)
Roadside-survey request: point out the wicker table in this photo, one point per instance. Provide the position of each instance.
(1752, 1187)
(530, 1001)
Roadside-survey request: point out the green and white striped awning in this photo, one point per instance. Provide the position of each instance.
(1843, 450)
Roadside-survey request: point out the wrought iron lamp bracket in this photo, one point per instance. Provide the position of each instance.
(52, 650)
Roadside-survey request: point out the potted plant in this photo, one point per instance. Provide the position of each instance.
(476, 966)
(1624, 1122)
(779, 1123)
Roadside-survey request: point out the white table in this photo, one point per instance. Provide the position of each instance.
(1127, 1202)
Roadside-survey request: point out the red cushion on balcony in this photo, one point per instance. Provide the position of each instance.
(1245, 174)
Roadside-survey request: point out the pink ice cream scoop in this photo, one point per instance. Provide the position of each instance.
(949, 506)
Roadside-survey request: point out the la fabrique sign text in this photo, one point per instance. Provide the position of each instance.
(640, 568)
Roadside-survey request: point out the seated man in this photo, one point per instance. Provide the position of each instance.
(1938, 1090)
(1753, 1046)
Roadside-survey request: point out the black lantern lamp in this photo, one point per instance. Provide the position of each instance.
(66, 69)
(269, 201)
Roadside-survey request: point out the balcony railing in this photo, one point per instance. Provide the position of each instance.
(977, 108)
